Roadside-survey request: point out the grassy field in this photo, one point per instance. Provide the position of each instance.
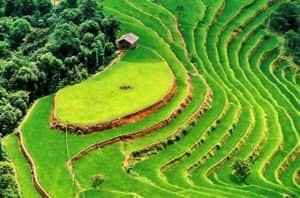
(253, 111)
(101, 97)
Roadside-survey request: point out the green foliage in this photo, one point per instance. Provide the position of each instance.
(12, 8)
(52, 68)
(18, 7)
(293, 45)
(28, 7)
(64, 41)
(89, 26)
(286, 20)
(8, 185)
(9, 116)
(34, 41)
(2, 153)
(44, 6)
(4, 49)
(241, 170)
(286, 17)
(18, 74)
(72, 3)
(88, 8)
(110, 27)
(20, 100)
(97, 180)
(71, 15)
(18, 31)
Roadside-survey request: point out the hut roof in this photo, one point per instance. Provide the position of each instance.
(130, 38)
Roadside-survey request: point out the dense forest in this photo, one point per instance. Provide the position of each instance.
(286, 21)
(42, 49)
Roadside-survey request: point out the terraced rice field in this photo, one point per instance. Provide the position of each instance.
(236, 98)
(137, 81)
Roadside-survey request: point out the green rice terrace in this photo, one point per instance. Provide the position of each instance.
(205, 105)
(138, 72)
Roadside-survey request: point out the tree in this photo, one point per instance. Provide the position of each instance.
(2, 153)
(4, 50)
(2, 3)
(109, 49)
(64, 41)
(110, 26)
(296, 57)
(286, 20)
(71, 15)
(97, 180)
(12, 8)
(8, 71)
(52, 67)
(74, 75)
(285, 17)
(27, 78)
(44, 6)
(3, 94)
(27, 7)
(71, 3)
(279, 23)
(87, 39)
(20, 74)
(34, 41)
(20, 100)
(88, 8)
(293, 41)
(8, 185)
(241, 170)
(89, 26)
(5, 26)
(19, 29)
(9, 117)
(19, 7)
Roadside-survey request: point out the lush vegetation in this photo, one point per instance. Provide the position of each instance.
(139, 80)
(8, 185)
(44, 48)
(237, 137)
(285, 20)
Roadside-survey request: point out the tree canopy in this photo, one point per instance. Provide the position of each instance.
(8, 185)
(286, 20)
(241, 170)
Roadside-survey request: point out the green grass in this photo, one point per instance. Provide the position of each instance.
(100, 162)
(101, 99)
(25, 183)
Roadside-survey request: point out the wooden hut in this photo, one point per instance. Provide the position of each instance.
(127, 41)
